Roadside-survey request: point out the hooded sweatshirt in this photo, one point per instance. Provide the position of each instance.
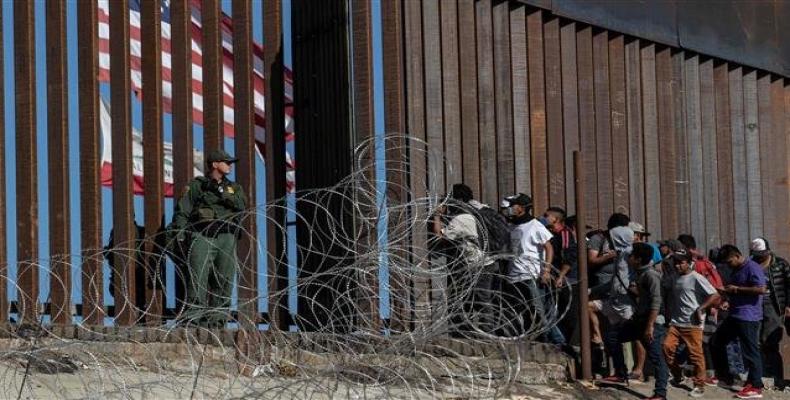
(619, 300)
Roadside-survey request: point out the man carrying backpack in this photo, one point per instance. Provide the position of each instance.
(494, 241)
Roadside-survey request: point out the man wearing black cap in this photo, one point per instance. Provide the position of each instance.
(209, 211)
(776, 307)
(533, 255)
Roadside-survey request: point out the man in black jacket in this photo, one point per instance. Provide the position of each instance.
(776, 307)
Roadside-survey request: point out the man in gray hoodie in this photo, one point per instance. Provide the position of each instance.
(647, 323)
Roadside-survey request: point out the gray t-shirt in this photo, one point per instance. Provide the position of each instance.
(689, 292)
(601, 274)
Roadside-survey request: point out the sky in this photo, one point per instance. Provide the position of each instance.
(73, 126)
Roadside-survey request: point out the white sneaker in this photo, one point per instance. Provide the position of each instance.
(697, 392)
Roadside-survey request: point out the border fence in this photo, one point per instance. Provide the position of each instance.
(504, 91)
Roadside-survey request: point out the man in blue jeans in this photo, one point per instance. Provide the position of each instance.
(647, 324)
(744, 292)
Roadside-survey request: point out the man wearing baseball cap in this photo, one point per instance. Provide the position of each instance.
(776, 307)
(209, 212)
(531, 245)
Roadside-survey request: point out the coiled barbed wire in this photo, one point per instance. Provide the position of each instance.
(441, 340)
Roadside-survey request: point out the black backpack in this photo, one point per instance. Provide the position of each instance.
(496, 238)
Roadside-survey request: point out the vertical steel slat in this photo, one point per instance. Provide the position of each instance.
(753, 136)
(124, 231)
(584, 57)
(520, 95)
(451, 96)
(362, 86)
(58, 164)
(213, 105)
(434, 117)
(537, 110)
(3, 188)
(397, 180)
(738, 138)
(90, 160)
(181, 32)
(619, 126)
(415, 127)
(503, 105)
(603, 132)
(635, 133)
(666, 143)
(486, 117)
(277, 266)
(651, 140)
(710, 171)
(153, 158)
(693, 123)
(554, 132)
(244, 126)
(26, 161)
(724, 153)
(780, 145)
(570, 108)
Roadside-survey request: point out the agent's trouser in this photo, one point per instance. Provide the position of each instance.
(212, 265)
(693, 339)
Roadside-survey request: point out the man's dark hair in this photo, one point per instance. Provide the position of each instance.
(728, 251)
(558, 210)
(462, 192)
(643, 252)
(687, 241)
(617, 219)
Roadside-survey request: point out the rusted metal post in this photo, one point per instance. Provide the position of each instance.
(153, 158)
(26, 160)
(362, 83)
(3, 232)
(90, 158)
(181, 29)
(244, 108)
(581, 223)
(58, 166)
(124, 231)
(277, 268)
(213, 113)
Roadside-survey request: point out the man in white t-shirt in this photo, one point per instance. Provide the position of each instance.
(693, 295)
(533, 254)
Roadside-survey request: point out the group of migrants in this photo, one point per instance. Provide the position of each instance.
(712, 316)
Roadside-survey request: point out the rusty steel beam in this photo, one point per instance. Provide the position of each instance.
(153, 160)
(395, 124)
(277, 267)
(90, 158)
(243, 115)
(181, 31)
(362, 86)
(213, 120)
(123, 210)
(3, 232)
(26, 159)
(58, 165)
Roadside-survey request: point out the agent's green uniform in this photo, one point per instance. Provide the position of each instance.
(209, 211)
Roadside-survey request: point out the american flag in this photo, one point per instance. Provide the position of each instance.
(197, 71)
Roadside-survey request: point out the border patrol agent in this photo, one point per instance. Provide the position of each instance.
(209, 211)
